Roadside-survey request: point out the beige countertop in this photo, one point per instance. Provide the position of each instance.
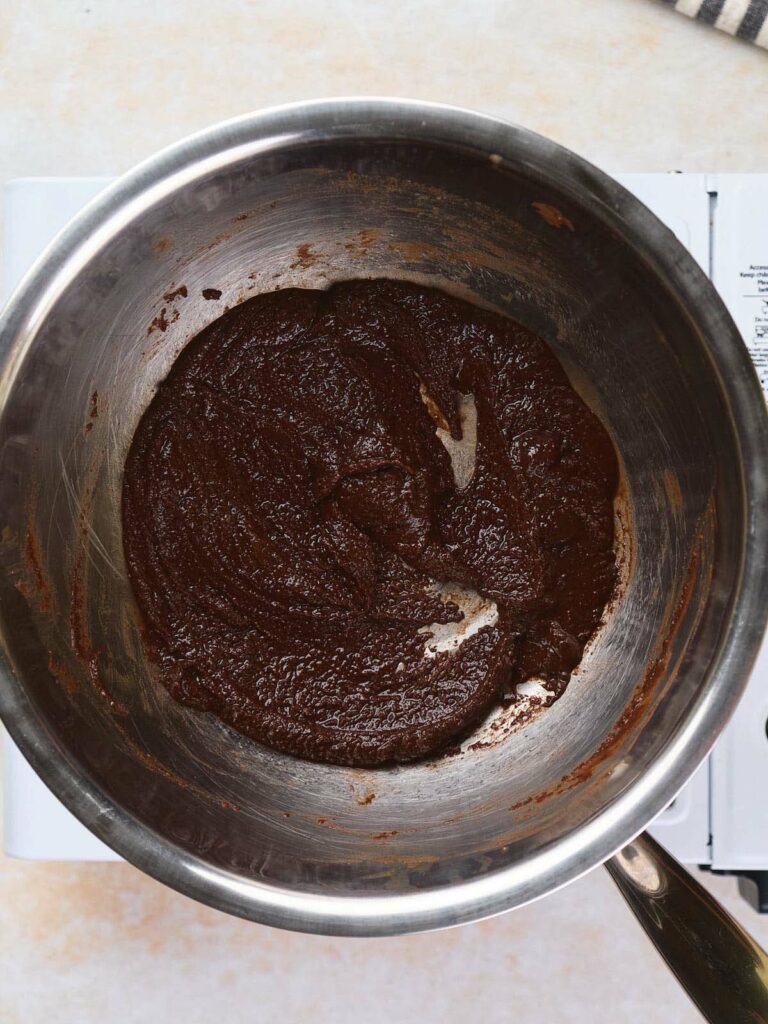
(91, 87)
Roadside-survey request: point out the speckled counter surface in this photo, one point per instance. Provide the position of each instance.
(91, 87)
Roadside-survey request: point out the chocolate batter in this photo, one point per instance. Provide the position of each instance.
(355, 519)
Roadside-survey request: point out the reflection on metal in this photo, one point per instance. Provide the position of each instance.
(643, 871)
(724, 971)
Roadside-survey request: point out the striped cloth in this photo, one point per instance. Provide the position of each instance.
(747, 19)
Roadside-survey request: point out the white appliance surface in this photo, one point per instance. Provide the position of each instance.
(720, 818)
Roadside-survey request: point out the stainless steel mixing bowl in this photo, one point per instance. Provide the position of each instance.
(305, 195)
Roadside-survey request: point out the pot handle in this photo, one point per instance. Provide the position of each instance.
(723, 970)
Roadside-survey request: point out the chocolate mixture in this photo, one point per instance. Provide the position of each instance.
(355, 519)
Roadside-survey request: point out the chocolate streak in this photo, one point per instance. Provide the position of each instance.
(307, 510)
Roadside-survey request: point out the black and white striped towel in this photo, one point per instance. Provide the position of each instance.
(747, 19)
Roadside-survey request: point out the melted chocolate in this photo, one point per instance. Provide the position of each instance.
(301, 543)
